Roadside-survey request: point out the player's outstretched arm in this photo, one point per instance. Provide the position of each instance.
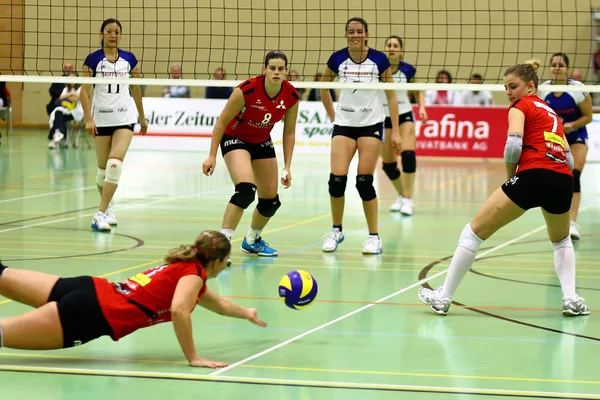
(232, 108)
(223, 306)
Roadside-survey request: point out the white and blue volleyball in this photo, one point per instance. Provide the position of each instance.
(298, 289)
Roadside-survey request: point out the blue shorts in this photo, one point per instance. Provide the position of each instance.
(580, 136)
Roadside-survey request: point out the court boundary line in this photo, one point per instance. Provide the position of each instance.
(126, 207)
(366, 307)
(81, 189)
(297, 383)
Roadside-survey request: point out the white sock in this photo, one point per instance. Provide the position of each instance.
(564, 264)
(228, 233)
(462, 261)
(252, 234)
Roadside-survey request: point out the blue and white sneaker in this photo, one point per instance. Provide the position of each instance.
(332, 239)
(259, 247)
(100, 222)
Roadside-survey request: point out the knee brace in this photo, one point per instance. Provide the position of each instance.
(409, 161)
(100, 175)
(364, 185)
(576, 181)
(337, 185)
(244, 194)
(469, 240)
(268, 207)
(113, 170)
(391, 170)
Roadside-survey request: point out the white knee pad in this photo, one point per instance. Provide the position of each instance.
(469, 240)
(100, 177)
(113, 170)
(565, 243)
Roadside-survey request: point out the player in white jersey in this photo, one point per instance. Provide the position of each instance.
(402, 72)
(357, 125)
(575, 111)
(111, 116)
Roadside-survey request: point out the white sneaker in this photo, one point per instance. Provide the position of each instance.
(58, 136)
(52, 144)
(573, 231)
(332, 239)
(100, 222)
(110, 215)
(372, 245)
(397, 206)
(406, 206)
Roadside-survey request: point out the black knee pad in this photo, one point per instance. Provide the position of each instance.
(409, 161)
(244, 194)
(391, 170)
(576, 181)
(364, 185)
(268, 207)
(337, 185)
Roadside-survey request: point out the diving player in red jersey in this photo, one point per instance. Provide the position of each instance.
(538, 165)
(243, 132)
(73, 311)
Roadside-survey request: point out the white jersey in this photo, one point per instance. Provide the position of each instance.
(112, 104)
(481, 98)
(358, 107)
(405, 74)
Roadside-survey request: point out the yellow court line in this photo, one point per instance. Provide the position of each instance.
(307, 369)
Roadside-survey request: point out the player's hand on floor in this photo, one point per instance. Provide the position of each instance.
(204, 363)
(208, 166)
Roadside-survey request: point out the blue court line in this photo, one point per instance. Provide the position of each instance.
(444, 337)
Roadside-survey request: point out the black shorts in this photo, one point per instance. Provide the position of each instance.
(258, 151)
(402, 118)
(79, 310)
(544, 188)
(355, 132)
(110, 130)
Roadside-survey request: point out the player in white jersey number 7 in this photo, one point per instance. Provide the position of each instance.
(112, 115)
(357, 125)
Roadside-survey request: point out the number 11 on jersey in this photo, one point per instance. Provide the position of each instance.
(110, 88)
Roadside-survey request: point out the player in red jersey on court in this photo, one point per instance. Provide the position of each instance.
(73, 311)
(243, 132)
(538, 165)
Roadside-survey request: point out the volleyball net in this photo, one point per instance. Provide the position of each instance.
(462, 37)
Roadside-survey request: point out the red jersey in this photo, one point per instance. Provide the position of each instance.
(254, 123)
(543, 137)
(144, 299)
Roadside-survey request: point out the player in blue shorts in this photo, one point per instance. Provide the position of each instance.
(112, 114)
(357, 125)
(575, 110)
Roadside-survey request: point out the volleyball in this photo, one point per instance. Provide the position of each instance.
(298, 289)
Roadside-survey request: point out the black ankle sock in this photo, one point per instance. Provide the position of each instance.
(338, 226)
(374, 234)
(2, 268)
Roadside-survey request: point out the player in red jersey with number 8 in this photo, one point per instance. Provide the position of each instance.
(73, 311)
(243, 132)
(538, 165)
